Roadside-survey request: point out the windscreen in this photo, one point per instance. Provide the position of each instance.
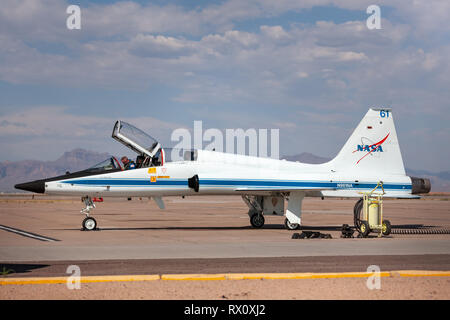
(108, 164)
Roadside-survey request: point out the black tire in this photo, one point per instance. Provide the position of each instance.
(364, 229)
(257, 220)
(89, 224)
(291, 226)
(357, 213)
(386, 227)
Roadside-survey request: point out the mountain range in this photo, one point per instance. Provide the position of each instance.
(15, 172)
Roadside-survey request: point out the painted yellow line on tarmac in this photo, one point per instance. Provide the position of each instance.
(224, 276)
(190, 277)
(289, 276)
(87, 279)
(421, 273)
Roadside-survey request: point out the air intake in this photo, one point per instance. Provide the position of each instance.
(193, 183)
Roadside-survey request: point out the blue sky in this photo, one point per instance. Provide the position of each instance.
(308, 68)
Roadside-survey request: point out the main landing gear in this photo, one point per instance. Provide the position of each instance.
(89, 223)
(260, 205)
(257, 220)
(255, 211)
(291, 226)
(294, 210)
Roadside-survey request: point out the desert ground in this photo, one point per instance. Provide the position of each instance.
(40, 237)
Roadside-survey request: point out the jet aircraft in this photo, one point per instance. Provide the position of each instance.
(370, 156)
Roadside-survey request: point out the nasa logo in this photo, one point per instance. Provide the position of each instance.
(369, 148)
(376, 147)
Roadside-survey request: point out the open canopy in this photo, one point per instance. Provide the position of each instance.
(135, 139)
(148, 148)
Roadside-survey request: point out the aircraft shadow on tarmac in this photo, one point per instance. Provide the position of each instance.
(266, 227)
(13, 268)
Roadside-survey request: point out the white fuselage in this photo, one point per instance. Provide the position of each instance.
(230, 174)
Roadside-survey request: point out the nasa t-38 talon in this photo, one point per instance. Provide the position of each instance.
(371, 154)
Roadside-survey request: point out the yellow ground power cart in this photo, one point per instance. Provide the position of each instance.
(372, 213)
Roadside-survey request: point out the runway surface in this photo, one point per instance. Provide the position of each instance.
(232, 265)
(210, 235)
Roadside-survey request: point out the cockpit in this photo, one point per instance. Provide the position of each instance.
(149, 151)
(107, 165)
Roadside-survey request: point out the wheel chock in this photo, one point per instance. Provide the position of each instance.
(311, 235)
(347, 232)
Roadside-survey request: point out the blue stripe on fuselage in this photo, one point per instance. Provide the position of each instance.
(339, 185)
(126, 182)
(306, 184)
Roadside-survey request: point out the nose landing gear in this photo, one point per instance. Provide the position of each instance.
(89, 223)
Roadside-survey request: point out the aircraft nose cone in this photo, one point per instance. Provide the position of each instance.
(37, 186)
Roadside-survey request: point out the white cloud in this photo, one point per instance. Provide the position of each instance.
(228, 65)
(351, 56)
(326, 67)
(26, 134)
(277, 33)
(159, 46)
(56, 121)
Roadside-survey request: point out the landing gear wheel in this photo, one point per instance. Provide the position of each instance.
(364, 229)
(291, 226)
(386, 227)
(89, 224)
(257, 220)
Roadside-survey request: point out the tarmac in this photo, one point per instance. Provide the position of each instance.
(40, 236)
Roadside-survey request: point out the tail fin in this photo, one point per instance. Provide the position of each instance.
(372, 147)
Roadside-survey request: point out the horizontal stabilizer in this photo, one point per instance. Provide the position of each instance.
(401, 196)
